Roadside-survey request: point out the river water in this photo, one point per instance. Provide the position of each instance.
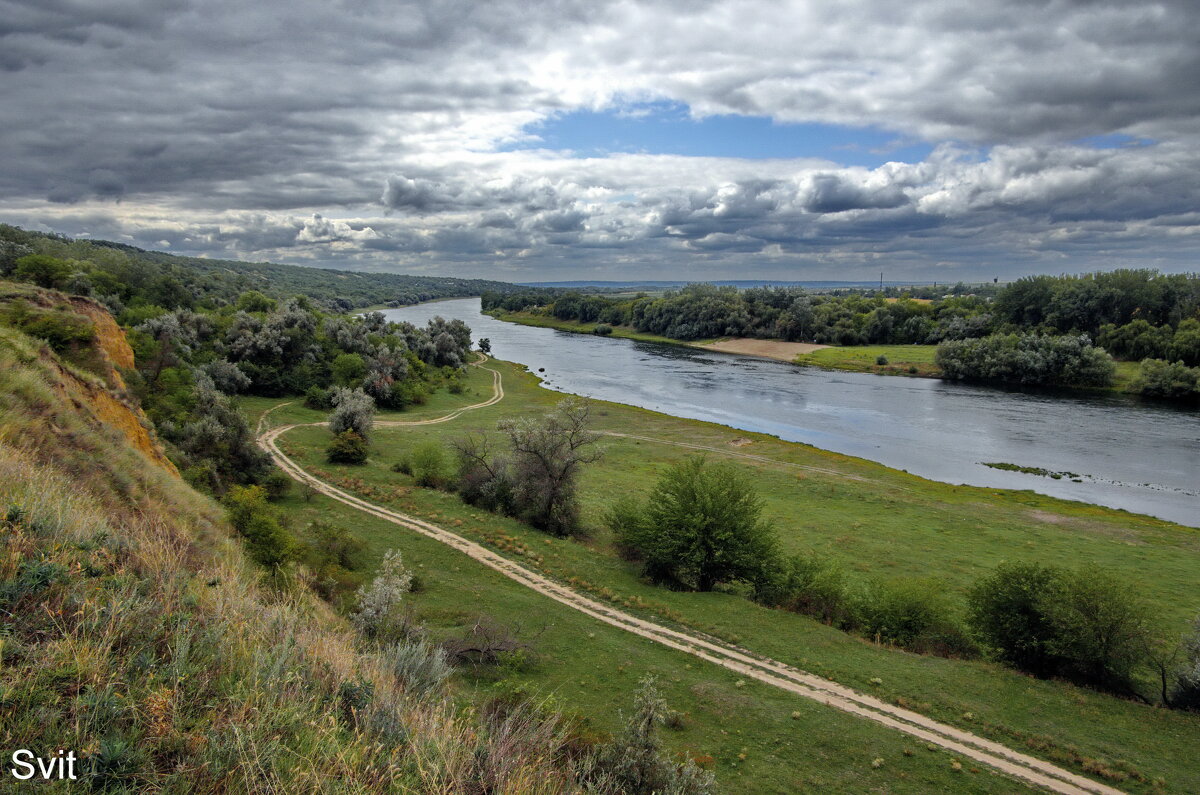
(1139, 457)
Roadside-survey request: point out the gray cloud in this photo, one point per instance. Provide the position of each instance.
(368, 134)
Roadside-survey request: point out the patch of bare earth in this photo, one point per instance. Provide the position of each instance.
(769, 349)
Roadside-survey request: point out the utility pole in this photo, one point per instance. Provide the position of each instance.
(881, 281)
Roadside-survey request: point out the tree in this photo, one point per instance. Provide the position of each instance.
(348, 369)
(1187, 683)
(354, 410)
(548, 454)
(266, 540)
(42, 270)
(1083, 625)
(485, 345)
(379, 604)
(702, 526)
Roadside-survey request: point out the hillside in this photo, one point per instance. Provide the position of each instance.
(171, 280)
(136, 633)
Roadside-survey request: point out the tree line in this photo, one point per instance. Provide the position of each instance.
(1053, 330)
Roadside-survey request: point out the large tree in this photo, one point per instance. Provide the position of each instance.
(701, 526)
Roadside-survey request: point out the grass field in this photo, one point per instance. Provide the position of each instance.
(878, 521)
(902, 359)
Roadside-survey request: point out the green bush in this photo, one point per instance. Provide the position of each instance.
(913, 613)
(1159, 378)
(348, 447)
(701, 526)
(1082, 625)
(602, 329)
(266, 539)
(881, 360)
(430, 466)
(277, 485)
(814, 586)
(1027, 358)
(319, 398)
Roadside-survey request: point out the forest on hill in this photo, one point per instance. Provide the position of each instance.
(126, 277)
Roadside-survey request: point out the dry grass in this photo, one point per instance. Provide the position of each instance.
(135, 632)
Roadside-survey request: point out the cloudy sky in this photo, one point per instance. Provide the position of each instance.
(586, 139)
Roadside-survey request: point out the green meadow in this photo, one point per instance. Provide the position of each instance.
(878, 522)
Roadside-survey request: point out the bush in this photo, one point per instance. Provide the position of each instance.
(602, 329)
(266, 539)
(1082, 625)
(1027, 359)
(701, 526)
(430, 466)
(347, 447)
(379, 615)
(814, 586)
(881, 360)
(1187, 684)
(421, 667)
(318, 398)
(1159, 378)
(915, 614)
(635, 761)
(277, 485)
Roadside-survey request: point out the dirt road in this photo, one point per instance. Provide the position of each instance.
(978, 749)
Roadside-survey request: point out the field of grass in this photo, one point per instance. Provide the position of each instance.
(879, 522)
(902, 359)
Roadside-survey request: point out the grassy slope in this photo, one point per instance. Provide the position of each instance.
(135, 633)
(890, 523)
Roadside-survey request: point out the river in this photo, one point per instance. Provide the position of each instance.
(1139, 457)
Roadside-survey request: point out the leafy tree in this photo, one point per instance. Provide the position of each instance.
(1158, 378)
(701, 526)
(547, 455)
(254, 301)
(266, 539)
(348, 369)
(485, 345)
(353, 410)
(42, 270)
(1083, 625)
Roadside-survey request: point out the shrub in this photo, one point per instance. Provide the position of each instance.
(266, 539)
(1186, 694)
(913, 613)
(354, 410)
(1159, 378)
(379, 615)
(881, 360)
(430, 466)
(347, 447)
(635, 761)
(1027, 358)
(277, 485)
(602, 329)
(814, 586)
(421, 667)
(403, 467)
(1082, 625)
(319, 398)
(701, 526)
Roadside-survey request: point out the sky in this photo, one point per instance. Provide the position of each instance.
(582, 139)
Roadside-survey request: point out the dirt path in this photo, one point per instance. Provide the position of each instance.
(978, 749)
